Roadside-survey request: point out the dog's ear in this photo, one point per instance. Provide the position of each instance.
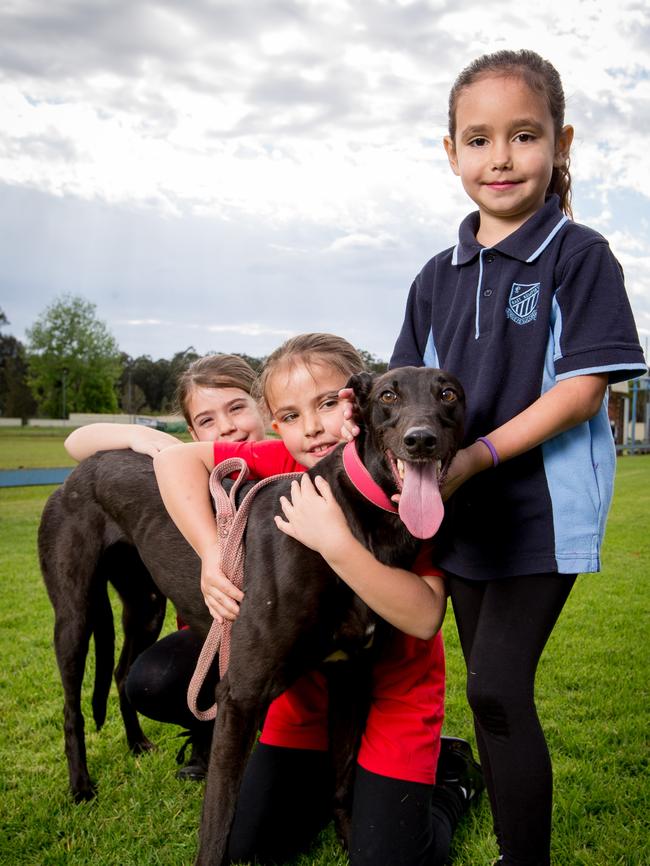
(361, 384)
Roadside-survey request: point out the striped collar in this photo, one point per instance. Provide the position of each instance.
(526, 244)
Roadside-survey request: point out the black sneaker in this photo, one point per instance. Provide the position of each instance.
(196, 768)
(458, 769)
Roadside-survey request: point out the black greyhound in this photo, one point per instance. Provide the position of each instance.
(108, 523)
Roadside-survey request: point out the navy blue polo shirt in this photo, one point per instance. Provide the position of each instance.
(546, 303)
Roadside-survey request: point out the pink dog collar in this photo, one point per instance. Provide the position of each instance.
(363, 481)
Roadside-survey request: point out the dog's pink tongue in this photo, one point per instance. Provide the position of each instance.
(420, 504)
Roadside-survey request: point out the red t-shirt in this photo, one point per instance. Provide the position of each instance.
(401, 739)
(265, 458)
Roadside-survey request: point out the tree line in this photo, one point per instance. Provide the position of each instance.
(72, 363)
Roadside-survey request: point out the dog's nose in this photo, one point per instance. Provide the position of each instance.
(420, 440)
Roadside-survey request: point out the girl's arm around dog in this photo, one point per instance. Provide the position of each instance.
(183, 473)
(567, 404)
(91, 438)
(415, 605)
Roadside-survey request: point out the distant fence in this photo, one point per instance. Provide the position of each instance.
(50, 422)
(79, 419)
(633, 448)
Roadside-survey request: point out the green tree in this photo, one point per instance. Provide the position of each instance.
(251, 360)
(149, 386)
(16, 399)
(132, 397)
(372, 362)
(178, 364)
(74, 361)
(148, 379)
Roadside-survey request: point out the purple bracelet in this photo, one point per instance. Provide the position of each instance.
(490, 447)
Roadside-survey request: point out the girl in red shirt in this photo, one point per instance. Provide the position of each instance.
(399, 815)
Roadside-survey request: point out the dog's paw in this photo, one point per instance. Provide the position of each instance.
(85, 793)
(141, 747)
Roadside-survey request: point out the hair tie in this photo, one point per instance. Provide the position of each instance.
(490, 447)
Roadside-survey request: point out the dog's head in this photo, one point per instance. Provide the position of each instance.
(411, 420)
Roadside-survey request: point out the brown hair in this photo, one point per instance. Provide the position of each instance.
(539, 75)
(309, 349)
(213, 371)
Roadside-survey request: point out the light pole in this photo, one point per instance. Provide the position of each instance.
(63, 384)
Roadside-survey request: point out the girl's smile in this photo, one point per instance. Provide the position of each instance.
(229, 414)
(306, 410)
(502, 184)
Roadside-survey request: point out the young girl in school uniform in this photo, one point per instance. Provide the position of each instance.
(529, 311)
(398, 816)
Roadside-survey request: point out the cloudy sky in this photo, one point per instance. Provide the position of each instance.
(225, 173)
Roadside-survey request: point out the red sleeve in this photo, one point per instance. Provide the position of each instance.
(266, 458)
(423, 565)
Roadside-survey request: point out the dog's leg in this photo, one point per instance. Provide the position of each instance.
(103, 629)
(234, 735)
(348, 684)
(69, 581)
(143, 614)
(71, 637)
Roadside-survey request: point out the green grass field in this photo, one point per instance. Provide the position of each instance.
(33, 447)
(38, 447)
(592, 697)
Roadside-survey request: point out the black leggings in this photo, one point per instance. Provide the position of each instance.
(503, 626)
(285, 800)
(158, 680)
(286, 794)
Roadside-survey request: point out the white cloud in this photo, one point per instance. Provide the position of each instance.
(359, 240)
(316, 121)
(248, 329)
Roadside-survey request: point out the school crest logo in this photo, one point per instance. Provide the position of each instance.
(522, 303)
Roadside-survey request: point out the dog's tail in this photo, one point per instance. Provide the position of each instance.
(104, 636)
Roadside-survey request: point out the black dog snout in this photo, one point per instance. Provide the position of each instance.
(420, 441)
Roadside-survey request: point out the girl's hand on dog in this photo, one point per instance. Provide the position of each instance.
(349, 428)
(313, 516)
(221, 595)
(467, 462)
(147, 441)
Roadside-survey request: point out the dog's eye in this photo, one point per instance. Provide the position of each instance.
(388, 397)
(448, 396)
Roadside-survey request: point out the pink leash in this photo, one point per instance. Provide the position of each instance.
(231, 523)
